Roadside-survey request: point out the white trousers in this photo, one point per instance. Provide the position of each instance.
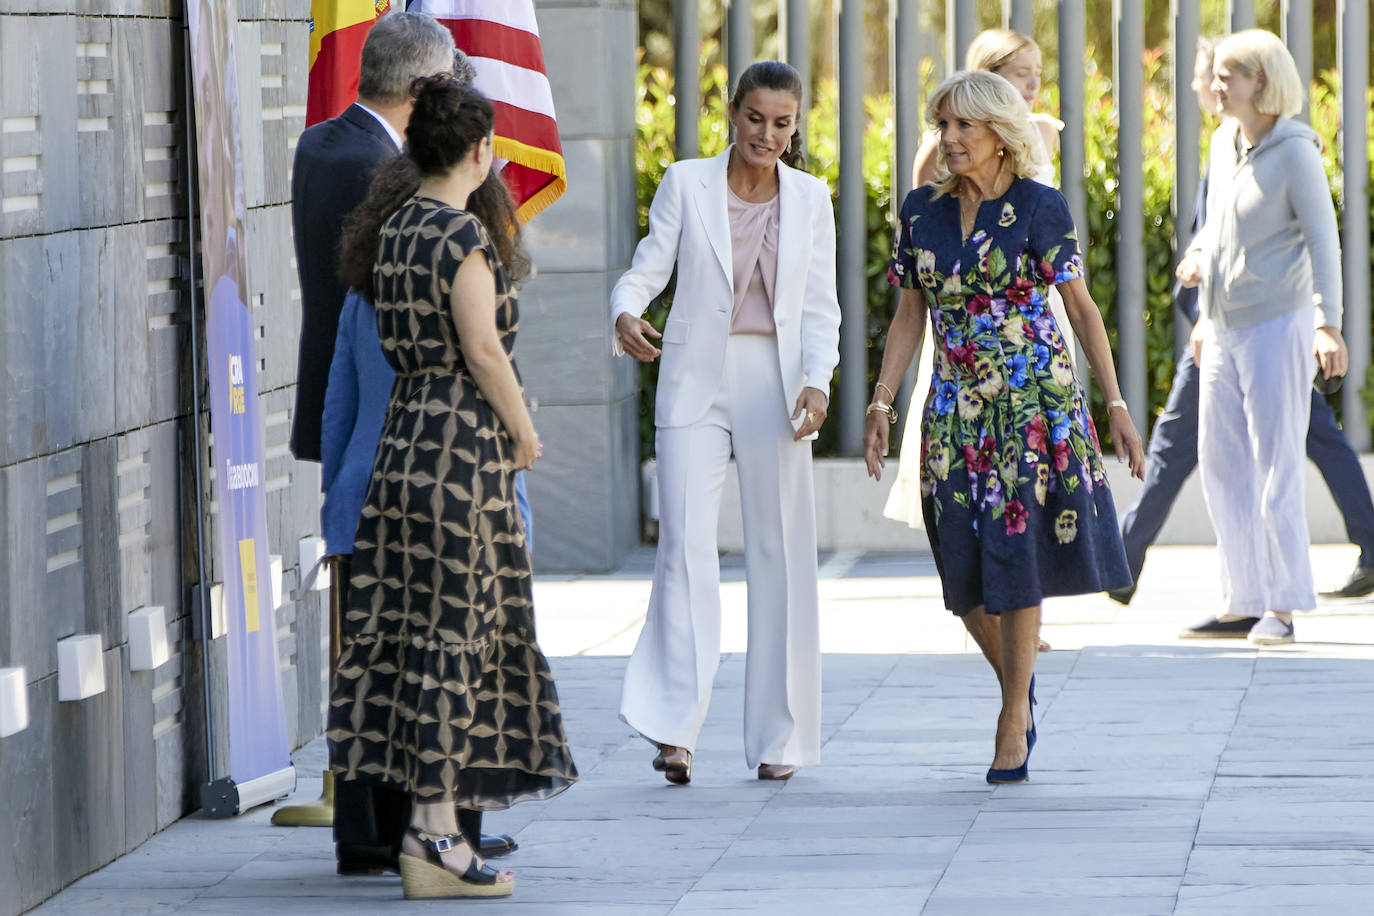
(668, 680)
(1254, 408)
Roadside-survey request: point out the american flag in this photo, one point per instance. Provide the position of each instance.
(501, 37)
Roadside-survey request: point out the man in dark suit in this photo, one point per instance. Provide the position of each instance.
(1173, 450)
(333, 167)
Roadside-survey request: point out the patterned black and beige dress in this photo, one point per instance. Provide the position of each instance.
(441, 690)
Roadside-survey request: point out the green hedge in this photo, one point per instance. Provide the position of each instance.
(654, 153)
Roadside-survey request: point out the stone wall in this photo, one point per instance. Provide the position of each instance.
(96, 504)
(97, 494)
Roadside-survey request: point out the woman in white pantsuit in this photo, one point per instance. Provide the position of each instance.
(1267, 254)
(748, 351)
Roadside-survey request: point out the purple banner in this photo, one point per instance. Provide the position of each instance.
(257, 719)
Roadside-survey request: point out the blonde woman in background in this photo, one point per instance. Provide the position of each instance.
(1017, 59)
(1267, 263)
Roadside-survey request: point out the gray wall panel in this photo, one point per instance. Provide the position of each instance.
(94, 397)
(28, 867)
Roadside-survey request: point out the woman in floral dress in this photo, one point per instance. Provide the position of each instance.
(1014, 496)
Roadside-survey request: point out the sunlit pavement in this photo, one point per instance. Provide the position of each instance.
(1170, 776)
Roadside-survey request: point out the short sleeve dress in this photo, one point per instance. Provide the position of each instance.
(441, 690)
(1014, 498)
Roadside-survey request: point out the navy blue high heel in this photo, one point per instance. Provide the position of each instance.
(1021, 773)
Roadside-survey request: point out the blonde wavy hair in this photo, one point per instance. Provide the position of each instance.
(1257, 51)
(980, 95)
(992, 49)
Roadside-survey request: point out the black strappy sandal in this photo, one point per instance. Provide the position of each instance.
(429, 878)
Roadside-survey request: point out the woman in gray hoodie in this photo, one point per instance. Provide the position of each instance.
(1268, 264)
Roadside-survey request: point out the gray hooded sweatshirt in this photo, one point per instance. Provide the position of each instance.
(1269, 246)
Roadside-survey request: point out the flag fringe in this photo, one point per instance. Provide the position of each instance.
(541, 160)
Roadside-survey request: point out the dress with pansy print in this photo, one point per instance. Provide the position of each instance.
(1013, 492)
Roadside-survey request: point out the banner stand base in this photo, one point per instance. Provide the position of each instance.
(225, 798)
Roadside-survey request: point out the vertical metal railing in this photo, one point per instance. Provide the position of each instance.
(739, 38)
(1297, 35)
(1128, 35)
(1129, 83)
(686, 79)
(906, 78)
(1241, 14)
(1019, 15)
(1354, 68)
(852, 239)
(961, 25)
(1072, 41)
(1187, 128)
(797, 16)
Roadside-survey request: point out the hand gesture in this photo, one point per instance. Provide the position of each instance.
(1196, 339)
(632, 333)
(812, 404)
(1128, 444)
(528, 449)
(875, 443)
(1189, 271)
(1332, 357)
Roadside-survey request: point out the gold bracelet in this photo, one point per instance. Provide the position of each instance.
(880, 407)
(892, 394)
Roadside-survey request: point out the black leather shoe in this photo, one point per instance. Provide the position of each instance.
(494, 846)
(357, 859)
(1360, 584)
(1212, 628)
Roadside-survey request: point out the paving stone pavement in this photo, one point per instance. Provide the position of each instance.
(1170, 777)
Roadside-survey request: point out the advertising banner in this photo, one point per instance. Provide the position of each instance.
(259, 754)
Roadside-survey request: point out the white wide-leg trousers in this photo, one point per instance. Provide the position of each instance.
(1254, 410)
(668, 680)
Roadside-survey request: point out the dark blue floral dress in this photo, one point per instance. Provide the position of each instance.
(1013, 493)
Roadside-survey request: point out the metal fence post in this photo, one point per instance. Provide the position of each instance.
(961, 25)
(1354, 38)
(798, 25)
(906, 67)
(686, 79)
(739, 38)
(852, 239)
(1187, 126)
(1019, 15)
(1072, 40)
(1241, 14)
(1129, 87)
(1297, 35)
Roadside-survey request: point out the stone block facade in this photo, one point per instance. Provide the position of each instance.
(98, 501)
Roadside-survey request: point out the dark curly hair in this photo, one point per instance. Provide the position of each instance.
(448, 121)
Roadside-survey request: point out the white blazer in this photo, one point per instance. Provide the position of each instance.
(689, 225)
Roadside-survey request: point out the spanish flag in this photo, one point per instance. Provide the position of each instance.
(338, 29)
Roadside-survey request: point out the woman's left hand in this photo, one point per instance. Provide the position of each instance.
(1128, 444)
(812, 405)
(1332, 356)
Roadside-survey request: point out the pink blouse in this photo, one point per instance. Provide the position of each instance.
(754, 242)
